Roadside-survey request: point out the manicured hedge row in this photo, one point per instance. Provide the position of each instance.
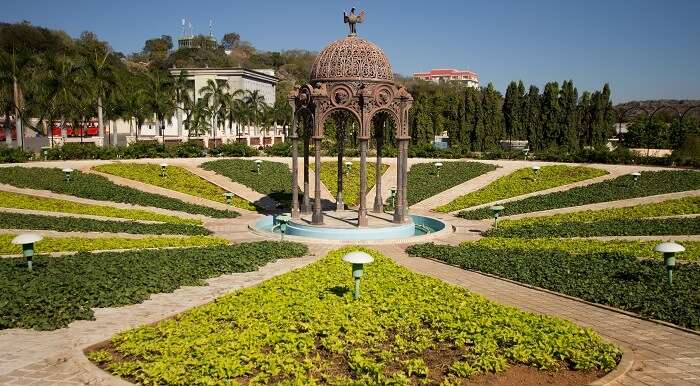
(63, 289)
(649, 184)
(178, 179)
(96, 187)
(424, 183)
(523, 181)
(84, 244)
(613, 279)
(611, 227)
(636, 248)
(351, 181)
(77, 224)
(304, 328)
(274, 179)
(26, 201)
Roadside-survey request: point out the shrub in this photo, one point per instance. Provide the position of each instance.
(25, 201)
(423, 182)
(623, 187)
(13, 155)
(282, 149)
(302, 327)
(62, 289)
(274, 179)
(84, 244)
(523, 181)
(78, 224)
(351, 181)
(234, 149)
(96, 187)
(145, 149)
(178, 179)
(189, 149)
(613, 279)
(609, 227)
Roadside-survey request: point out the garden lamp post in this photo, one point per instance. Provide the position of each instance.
(45, 152)
(163, 169)
(258, 162)
(27, 240)
(536, 168)
(348, 166)
(526, 151)
(67, 174)
(229, 198)
(392, 193)
(438, 165)
(669, 250)
(636, 176)
(358, 260)
(496, 209)
(283, 221)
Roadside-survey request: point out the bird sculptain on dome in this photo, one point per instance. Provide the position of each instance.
(352, 75)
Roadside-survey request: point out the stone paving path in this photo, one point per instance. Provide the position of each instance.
(662, 355)
(55, 357)
(234, 187)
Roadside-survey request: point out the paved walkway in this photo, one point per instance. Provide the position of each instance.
(55, 357)
(662, 355)
(234, 187)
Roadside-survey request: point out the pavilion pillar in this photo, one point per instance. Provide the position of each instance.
(400, 202)
(378, 201)
(317, 216)
(362, 210)
(306, 208)
(340, 136)
(295, 168)
(404, 180)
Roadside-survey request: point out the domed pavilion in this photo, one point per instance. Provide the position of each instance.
(354, 76)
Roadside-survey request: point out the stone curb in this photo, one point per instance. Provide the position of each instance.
(623, 367)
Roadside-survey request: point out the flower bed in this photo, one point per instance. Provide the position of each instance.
(84, 244)
(611, 227)
(26, 201)
(351, 181)
(304, 328)
(77, 224)
(523, 181)
(274, 179)
(614, 279)
(638, 249)
(424, 183)
(623, 187)
(178, 179)
(96, 187)
(62, 289)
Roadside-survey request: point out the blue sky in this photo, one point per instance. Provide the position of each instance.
(645, 49)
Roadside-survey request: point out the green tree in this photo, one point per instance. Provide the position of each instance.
(570, 121)
(551, 115)
(533, 118)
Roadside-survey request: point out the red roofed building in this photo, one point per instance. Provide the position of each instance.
(469, 78)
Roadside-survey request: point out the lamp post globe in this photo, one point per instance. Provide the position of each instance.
(636, 175)
(27, 240)
(669, 249)
(163, 169)
(496, 209)
(358, 259)
(67, 172)
(438, 166)
(258, 162)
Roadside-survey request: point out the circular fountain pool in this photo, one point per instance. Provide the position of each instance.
(340, 226)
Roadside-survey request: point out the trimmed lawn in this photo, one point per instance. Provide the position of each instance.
(351, 181)
(274, 179)
(423, 182)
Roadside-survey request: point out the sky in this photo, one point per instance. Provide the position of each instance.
(645, 49)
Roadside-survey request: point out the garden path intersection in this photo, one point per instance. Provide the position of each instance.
(654, 353)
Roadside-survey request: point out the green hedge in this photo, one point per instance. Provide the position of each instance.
(96, 187)
(613, 279)
(623, 187)
(611, 227)
(46, 204)
(423, 182)
(88, 244)
(304, 328)
(523, 181)
(62, 289)
(636, 248)
(274, 179)
(77, 224)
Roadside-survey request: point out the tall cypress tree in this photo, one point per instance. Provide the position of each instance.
(585, 107)
(533, 118)
(551, 115)
(510, 110)
(569, 134)
(472, 107)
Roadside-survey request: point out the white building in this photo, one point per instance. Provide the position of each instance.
(469, 78)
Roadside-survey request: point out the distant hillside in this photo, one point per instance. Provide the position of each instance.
(650, 105)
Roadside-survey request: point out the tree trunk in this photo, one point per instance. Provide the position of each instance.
(100, 120)
(8, 128)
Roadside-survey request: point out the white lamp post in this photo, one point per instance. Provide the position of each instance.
(496, 209)
(283, 221)
(358, 260)
(526, 151)
(229, 198)
(348, 166)
(438, 165)
(67, 174)
(669, 250)
(163, 169)
(27, 240)
(258, 162)
(392, 192)
(636, 176)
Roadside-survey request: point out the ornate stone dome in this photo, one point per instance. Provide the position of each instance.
(351, 58)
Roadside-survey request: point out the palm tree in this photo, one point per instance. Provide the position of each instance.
(14, 70)
(214, 95)
(101, 74)
(200, 118)
(181, 93)
(256, 105)
(235, 110)
(159, 97)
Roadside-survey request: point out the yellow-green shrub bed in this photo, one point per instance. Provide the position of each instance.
(25, 201)
(351, 181)
(84, 244)
(178, 179)
(523, 181)
(304, 328)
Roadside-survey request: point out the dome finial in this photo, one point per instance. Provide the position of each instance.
(352, 19)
